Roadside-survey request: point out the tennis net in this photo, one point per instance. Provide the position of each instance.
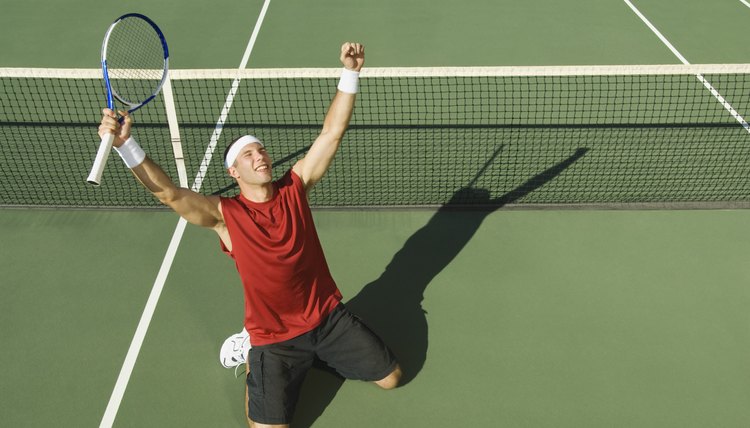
(608, 136)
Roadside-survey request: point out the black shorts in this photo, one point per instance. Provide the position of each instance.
(342, 341)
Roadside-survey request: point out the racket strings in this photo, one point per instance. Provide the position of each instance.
(135, 60)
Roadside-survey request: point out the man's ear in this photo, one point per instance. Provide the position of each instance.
(232, 171)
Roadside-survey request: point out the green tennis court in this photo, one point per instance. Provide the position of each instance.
(524, 312)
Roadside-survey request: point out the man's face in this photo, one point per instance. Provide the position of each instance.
(253, 165)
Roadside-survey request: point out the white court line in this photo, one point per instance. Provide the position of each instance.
(174, 131)
(228, 103)
(658, 33)
(700, 77)
(745, 2)
(140, 333)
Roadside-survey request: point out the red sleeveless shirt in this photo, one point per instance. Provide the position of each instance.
(289, 289)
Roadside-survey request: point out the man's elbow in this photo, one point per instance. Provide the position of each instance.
(167, 196)
(333, 133)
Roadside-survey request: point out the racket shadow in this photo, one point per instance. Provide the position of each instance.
(391, 305)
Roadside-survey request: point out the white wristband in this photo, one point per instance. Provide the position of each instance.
(349, 82)
(131, 153)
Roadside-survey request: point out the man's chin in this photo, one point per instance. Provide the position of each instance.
(265, 177)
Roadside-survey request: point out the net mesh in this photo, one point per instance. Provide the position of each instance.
(419, 137)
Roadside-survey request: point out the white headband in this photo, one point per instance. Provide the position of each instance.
(235, 148)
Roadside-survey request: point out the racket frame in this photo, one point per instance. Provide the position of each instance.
(105, 146)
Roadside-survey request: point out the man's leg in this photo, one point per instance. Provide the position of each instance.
(274, 377)
(252, 424)
(392, 380)
(355, 351)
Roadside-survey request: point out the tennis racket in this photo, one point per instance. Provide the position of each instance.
(135, 60)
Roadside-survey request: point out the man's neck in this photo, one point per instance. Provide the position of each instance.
(257, 192)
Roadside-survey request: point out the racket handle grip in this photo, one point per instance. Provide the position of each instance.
(105, 147)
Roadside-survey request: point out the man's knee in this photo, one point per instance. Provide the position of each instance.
(392, 380)
(257, 425)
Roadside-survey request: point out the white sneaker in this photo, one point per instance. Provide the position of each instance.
(234, 351)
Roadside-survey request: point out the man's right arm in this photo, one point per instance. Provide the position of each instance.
(194, 207)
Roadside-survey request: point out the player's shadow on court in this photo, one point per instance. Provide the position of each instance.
(392, 304)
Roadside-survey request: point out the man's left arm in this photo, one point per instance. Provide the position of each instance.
(314, 165)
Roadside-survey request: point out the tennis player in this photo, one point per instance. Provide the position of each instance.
(293, 309)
